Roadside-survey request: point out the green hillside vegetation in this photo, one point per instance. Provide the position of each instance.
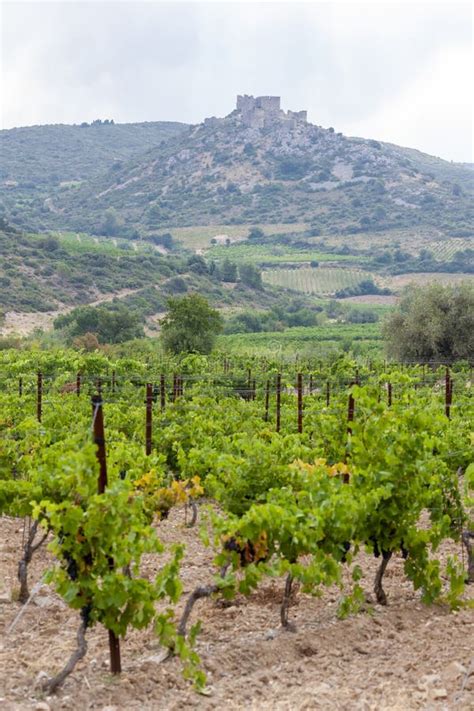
(203, 236)
(224, 172)
(36, 156)
(53, 272)
(40, 162)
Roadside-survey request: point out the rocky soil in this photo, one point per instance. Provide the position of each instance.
(400, 658)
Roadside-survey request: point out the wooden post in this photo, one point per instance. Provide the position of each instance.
(350, 418)
(148, 418)
(389, 394)
(114, 648)
(162, 392)
(267, 400)
(300, 402)
(311, 384)
(350, 412)
(20, 387)
(99, 439)
(254, 389)
(447, 398)
(328, 393)
(39, 396)
(113, 382)
(78, 384)
(278, 402)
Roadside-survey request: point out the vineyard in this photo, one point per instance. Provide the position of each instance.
(322, 281)
(303, 340)
(445, 250)
(307, 497)
(275, 254)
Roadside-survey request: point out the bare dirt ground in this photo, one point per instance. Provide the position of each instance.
(397, 283)
(372, 299)
(402, 657)
(22, 323)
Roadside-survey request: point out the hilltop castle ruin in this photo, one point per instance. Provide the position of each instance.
(265, 111)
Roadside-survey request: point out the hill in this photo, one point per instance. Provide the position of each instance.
(40, 162)
(42, 276)
(260, 164)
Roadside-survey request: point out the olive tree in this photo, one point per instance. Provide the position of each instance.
(433, 323)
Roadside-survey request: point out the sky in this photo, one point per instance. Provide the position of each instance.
(398, 72)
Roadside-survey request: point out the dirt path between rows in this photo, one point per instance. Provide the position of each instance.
(402, 657)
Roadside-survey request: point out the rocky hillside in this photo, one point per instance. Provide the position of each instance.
(260, 164)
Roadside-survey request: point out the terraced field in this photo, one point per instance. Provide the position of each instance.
(200, 237)
(323, 281)
(83, 243)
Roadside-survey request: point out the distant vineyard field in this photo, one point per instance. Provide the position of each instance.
(319, 280)
(262, 254)
(445, 250)
(305, 339)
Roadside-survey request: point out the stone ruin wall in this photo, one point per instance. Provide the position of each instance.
(265, 111)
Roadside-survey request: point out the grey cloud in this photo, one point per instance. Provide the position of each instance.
(75, 61)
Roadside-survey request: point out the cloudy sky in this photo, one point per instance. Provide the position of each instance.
(399, 72)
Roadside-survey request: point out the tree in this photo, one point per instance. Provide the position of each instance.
(434, 323)
(191, 325)
(111, 224)
(114, 324)
(256, 233)
(229, 271)
(197, 264)
(250, 276)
